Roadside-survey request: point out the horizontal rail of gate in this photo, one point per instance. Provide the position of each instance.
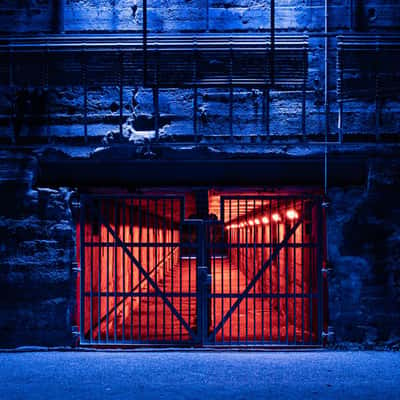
(265, 257)
(135, 288)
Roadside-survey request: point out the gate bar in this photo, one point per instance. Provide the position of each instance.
(256, 277)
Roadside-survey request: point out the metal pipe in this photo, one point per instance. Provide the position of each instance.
(144, 42)
(326, 99)
(272, 17)
(58, 16)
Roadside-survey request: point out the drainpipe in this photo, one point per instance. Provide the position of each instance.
(58, 16)
(326, 335)
(326, 99)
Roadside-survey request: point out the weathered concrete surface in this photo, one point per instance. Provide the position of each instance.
(37, 242)
(200, 375)
(363, 242)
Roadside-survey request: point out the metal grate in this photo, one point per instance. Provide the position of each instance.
(367, 70)
(367, 67)
(266, 271)
(251, 276)
(194, 62)
(134, 286)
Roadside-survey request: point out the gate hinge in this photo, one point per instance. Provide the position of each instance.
(75, 267)
(327, 267)
(330, 334)
(75, 330)
(325, 204)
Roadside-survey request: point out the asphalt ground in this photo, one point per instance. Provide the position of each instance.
(199, 375)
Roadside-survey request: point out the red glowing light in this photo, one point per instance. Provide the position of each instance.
(257, 221)
(292, 214)
(251, 222)
(265, 220)
(241, 225)
(276, 217)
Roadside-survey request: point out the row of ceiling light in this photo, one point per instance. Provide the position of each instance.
(275, 217)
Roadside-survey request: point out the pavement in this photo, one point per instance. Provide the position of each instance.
(233, 375)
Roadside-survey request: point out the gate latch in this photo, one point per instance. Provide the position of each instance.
(204, 276)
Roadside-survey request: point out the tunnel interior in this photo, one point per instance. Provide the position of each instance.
(215, 266)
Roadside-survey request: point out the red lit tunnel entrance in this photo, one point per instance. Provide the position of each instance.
(201, 268)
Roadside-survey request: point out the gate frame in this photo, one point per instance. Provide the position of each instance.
(204, 335)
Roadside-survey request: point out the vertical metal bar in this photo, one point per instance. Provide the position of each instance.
(82, 229)
(341, 105)
(270, 268)
(164, 261)
(287, 283)
(189, 261)
(108, 273)
(139, 272)
(294, 278)
(310, 268)
(229, 254)
(199, 286)
(272, 33)
(231, 90)
(238, 267)
(99, 276)
(155, 233)
(11, 87)
(302, 275)
(255, 233)
(85, 93)
(156, 105)
(195, 114)
(180, 283)
(195, 99)
(91, 277)
(319, 272)
(303, 98)
(218, 253)
(148, 269)
(267, 100)
(121, 92)
(207, 16)
(115, 268)
(172, 269)
(144, 32)
(247, 273)
(123, 269)
(132, 229)
(47, 91)
(377, 100)
(279, 277)
(262, 276)
(214, 291)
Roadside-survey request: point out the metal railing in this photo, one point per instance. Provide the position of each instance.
(367, 70)
(192, 62)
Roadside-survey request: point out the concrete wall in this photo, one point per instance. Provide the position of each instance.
(363, 246)
(64, 111)
(37, 252)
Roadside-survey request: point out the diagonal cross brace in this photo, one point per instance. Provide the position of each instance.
(256, 277)
(146, 275)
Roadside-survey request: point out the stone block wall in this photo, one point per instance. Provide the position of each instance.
(64, 113)
(363, 245)
(36, 255)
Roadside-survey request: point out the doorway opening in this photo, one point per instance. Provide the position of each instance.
(201, 267)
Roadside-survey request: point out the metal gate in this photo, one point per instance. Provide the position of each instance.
(150, 276)
(266, 271)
